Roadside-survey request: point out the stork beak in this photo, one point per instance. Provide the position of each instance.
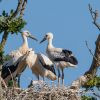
(43, 40)
(32, 37)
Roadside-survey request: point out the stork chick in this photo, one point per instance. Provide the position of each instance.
(15, 58)
(41, 65)
(62, 58)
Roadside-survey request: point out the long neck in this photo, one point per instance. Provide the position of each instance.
(25, 43)
(50, 43)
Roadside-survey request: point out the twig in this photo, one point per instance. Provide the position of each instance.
(25, 91)
(94, 15)
(97, 95)
(11, 77)
(23, 7)
(3, 82)
(90, 50)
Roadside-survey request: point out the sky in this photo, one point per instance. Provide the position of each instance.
(70, 22)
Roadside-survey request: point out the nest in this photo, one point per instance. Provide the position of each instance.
(40, 91)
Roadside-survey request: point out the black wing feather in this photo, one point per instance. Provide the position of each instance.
(48, 67)
(67, 57)
(5, 71)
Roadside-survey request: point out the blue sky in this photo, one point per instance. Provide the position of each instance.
(71, 23)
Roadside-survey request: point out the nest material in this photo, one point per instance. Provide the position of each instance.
(40, 92)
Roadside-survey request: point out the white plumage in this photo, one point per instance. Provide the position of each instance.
(16, 57)
(41, 65)
(61, 57)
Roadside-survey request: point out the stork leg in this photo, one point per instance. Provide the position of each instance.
(58, 77)
(19, 80)
(43, 79)
(62, 76)
(38, 78)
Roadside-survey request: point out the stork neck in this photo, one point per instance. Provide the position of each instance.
(25, 40)
(50, 43)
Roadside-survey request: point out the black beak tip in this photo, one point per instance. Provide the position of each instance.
(40, 42)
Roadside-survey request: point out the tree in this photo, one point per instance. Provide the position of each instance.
(10, 23)
(89, 79)
(14, 22)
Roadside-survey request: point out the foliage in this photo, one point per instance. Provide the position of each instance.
(10, 83)
(93, 82)
(9, 24)
(7, 57)
(87, 98)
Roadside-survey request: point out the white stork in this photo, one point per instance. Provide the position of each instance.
(61, 57)
(10, 70)
(41, 65)
(16, 57)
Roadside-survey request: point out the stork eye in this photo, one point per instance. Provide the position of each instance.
(28, 33)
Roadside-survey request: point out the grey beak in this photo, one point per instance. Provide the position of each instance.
(32, 37)
(43, 40)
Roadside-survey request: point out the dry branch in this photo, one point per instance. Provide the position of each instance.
(96, 57)
(44, 92)
(94, 15)
(23, 7)
(93, 69)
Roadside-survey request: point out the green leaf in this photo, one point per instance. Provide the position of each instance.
(11, 25)
(88, 98)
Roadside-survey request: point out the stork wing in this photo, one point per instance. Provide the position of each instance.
(59, 54)
(46, 63)
(11, 66)
(55, 54)
(7, 70)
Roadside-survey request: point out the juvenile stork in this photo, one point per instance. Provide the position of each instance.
(61, 57)
(24, 47)
(41, 65)
(16, 56)
(11, 70)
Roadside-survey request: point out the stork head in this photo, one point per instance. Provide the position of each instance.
(28, 34)
(47, 37)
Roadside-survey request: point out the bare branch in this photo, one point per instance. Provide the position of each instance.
(11, 76)
(90, 50)
(93, 69)
(94, 15)
(95, 63)
(23, 7)
(18, 8)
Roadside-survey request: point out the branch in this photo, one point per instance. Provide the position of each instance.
(23, 7)
(2, 44)
(17, 9)
(93, 69)
(96, 58)
(3, 41)
(95, 63)
(94, 15)
(90, 50)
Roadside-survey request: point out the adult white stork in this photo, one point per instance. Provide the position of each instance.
(11, 65)
(61, 57)
(41, 65)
